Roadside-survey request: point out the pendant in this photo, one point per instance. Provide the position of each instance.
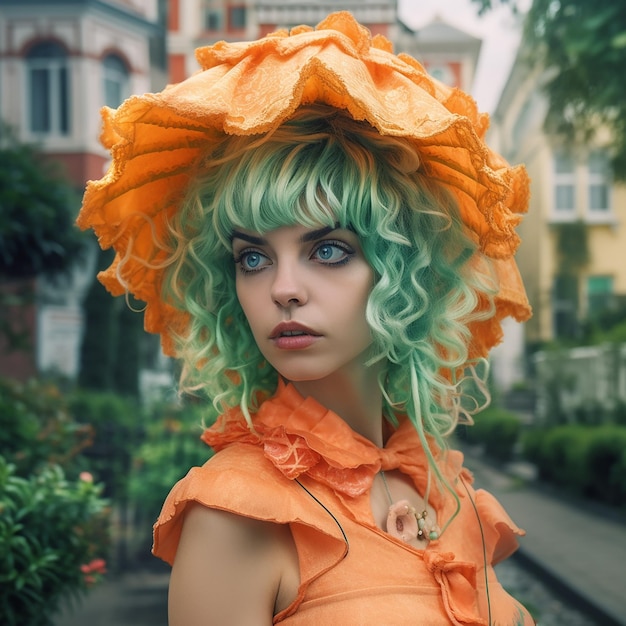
(405, 523)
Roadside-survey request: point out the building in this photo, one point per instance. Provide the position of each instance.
(194, 23)
(60, 62)
(447, 53)
(574, 236)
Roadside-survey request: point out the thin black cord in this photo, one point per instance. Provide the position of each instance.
(345, 537)
(480, 526)
(482, 536)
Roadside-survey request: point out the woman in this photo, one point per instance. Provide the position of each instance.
(326, 243)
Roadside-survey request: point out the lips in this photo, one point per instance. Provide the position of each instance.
(292, 329)
(293, 336)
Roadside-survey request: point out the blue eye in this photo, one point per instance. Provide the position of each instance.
(251, 261)
(333, 253)
(326, 252)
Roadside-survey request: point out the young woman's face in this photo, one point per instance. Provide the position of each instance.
(304, 293)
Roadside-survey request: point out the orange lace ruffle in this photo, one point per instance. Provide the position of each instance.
(157, 142)
(300, 436)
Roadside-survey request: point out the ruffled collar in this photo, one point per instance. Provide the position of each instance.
(300, 436)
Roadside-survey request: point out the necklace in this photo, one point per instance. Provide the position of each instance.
(404, 522)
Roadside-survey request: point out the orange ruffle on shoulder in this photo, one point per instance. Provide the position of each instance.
(351, 571)
(157, 142)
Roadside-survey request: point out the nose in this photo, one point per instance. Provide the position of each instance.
(288, 286)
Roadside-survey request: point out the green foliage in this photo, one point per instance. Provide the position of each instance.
(604, 461)
(49, 530)
(36, 428)
(609, 326)
(171, 447)
(52, 518)
(37, 212)
(497, 430)
(588, 461)
(572, 246)
(564, 447)
(15, 298)
(127, 356)
(110, 351)
(97, 353)
(582, 44)
(117, 431)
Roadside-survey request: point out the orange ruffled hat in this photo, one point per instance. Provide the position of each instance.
(158, 141)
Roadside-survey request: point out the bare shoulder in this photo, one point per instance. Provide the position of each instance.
(231, 569)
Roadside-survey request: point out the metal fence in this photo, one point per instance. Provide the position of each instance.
(585, 384)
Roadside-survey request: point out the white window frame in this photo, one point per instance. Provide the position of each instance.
(566, 180)
(117, 75)
(603, 179)
(54, 66)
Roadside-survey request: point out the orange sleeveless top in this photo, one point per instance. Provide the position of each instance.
(305, 467)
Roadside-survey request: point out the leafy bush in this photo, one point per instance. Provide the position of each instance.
(50, 533)
(559, 454)
(117, 426)
(497, 430)
(37, 233)
(36, 428)
(616, 477)
(587, 461)
(605, 450)
(171, 447)
(52, 518)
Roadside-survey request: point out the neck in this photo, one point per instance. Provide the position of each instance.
(355, 396)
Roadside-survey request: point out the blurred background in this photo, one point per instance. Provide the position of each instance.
(92, 434)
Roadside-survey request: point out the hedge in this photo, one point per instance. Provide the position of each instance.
(588, 461)
(497, 430)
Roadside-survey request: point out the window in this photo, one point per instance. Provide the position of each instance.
(116, 82)
(48, 89)
(565, 305)
(236, 18)
(599, 183)
(599, 294)
(212, 19)
(564, 186)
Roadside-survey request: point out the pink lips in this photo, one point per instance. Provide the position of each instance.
(293, 336)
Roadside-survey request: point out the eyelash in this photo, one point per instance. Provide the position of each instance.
(344, 247)
(341, 245)
(240, 258)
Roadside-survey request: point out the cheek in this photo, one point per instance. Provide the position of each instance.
(245, 300)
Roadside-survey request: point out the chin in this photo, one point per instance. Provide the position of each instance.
(297, 375)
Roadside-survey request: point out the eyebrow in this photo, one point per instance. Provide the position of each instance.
(258, 241)
(312, 235)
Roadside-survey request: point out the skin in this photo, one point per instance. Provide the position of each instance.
(320, 279)
(231, 570)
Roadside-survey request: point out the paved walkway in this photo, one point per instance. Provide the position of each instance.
(133, 599)
(579, 548)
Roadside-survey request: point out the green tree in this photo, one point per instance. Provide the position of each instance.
(110, 351)
(98, 348)
(37, 232)
(582, 46)
(37, 212)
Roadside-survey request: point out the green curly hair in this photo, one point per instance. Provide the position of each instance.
(322, 168)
